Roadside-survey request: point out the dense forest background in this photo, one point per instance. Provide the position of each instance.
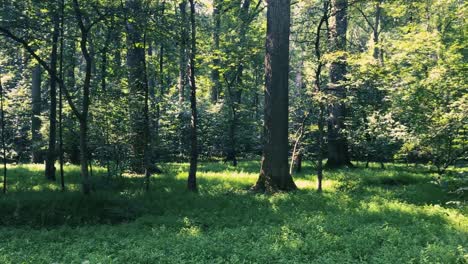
(233, 131)
(128, 85)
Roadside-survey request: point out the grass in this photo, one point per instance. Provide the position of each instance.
(397, 215)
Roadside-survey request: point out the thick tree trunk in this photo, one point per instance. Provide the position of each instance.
(192, 178)
(338, 154)
(51, 152)
(274, 173)
(36, 113)
(216, 87)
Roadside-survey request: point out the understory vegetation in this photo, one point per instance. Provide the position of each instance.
(397, 215)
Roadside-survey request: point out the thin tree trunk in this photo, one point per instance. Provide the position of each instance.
(376, 33)
(3, 138)
(192, 178)
(318, 90)
(61, 157)
(183, 51)
(51, 152)
(83, 117)
(158, 104)
(274, 173)
(36, 113)
(216, 87)
(138, 84)
(235, 86)
(296, 152)
(338, 154)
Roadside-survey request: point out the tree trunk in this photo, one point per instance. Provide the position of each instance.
(274, 173)
(183, 51)
(192, 178)
(84, 156)
(216, 87)
(36, 113)
(376, 32)
(83, 116)
(235, 86)
(51, 152)
(137, 83)
(318, 90)
(338, 154)
(298, 162)
(62, 48)
(2, 116)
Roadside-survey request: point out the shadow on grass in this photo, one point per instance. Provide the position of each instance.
(221, 202)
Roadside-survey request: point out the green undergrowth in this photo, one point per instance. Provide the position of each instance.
(397, 215)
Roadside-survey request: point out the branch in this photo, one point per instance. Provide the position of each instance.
(44, 64)
(366, 18)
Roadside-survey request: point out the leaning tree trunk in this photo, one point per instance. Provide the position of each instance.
(51, 152)
(338, 154)
(274, 173)
(192, 178)
(36, 113)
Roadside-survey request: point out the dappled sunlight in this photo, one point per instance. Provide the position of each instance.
(360, 214)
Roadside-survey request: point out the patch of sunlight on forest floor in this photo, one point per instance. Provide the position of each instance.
(396, 215)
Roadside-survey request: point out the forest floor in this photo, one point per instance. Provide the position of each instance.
(396, 215)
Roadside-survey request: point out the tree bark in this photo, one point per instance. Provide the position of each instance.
(136, 63)
(338, 154)
(216, 87)
(274, 173)
(318, 90)
(2, 117)
(51, 152)
(183, 51)
(36, 156)
(376, 32)
(192, 178)
(83, 116)
(235, 86)
(62, 49)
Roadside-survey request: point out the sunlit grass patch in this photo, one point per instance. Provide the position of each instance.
(397, 215)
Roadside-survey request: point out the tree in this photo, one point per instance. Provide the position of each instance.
(274, 173)
(216, 87)
(2, 119)
(183, 47)
(138, 86)
(36, 107)
(192, 178)
(338, 153)
(51, 151)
